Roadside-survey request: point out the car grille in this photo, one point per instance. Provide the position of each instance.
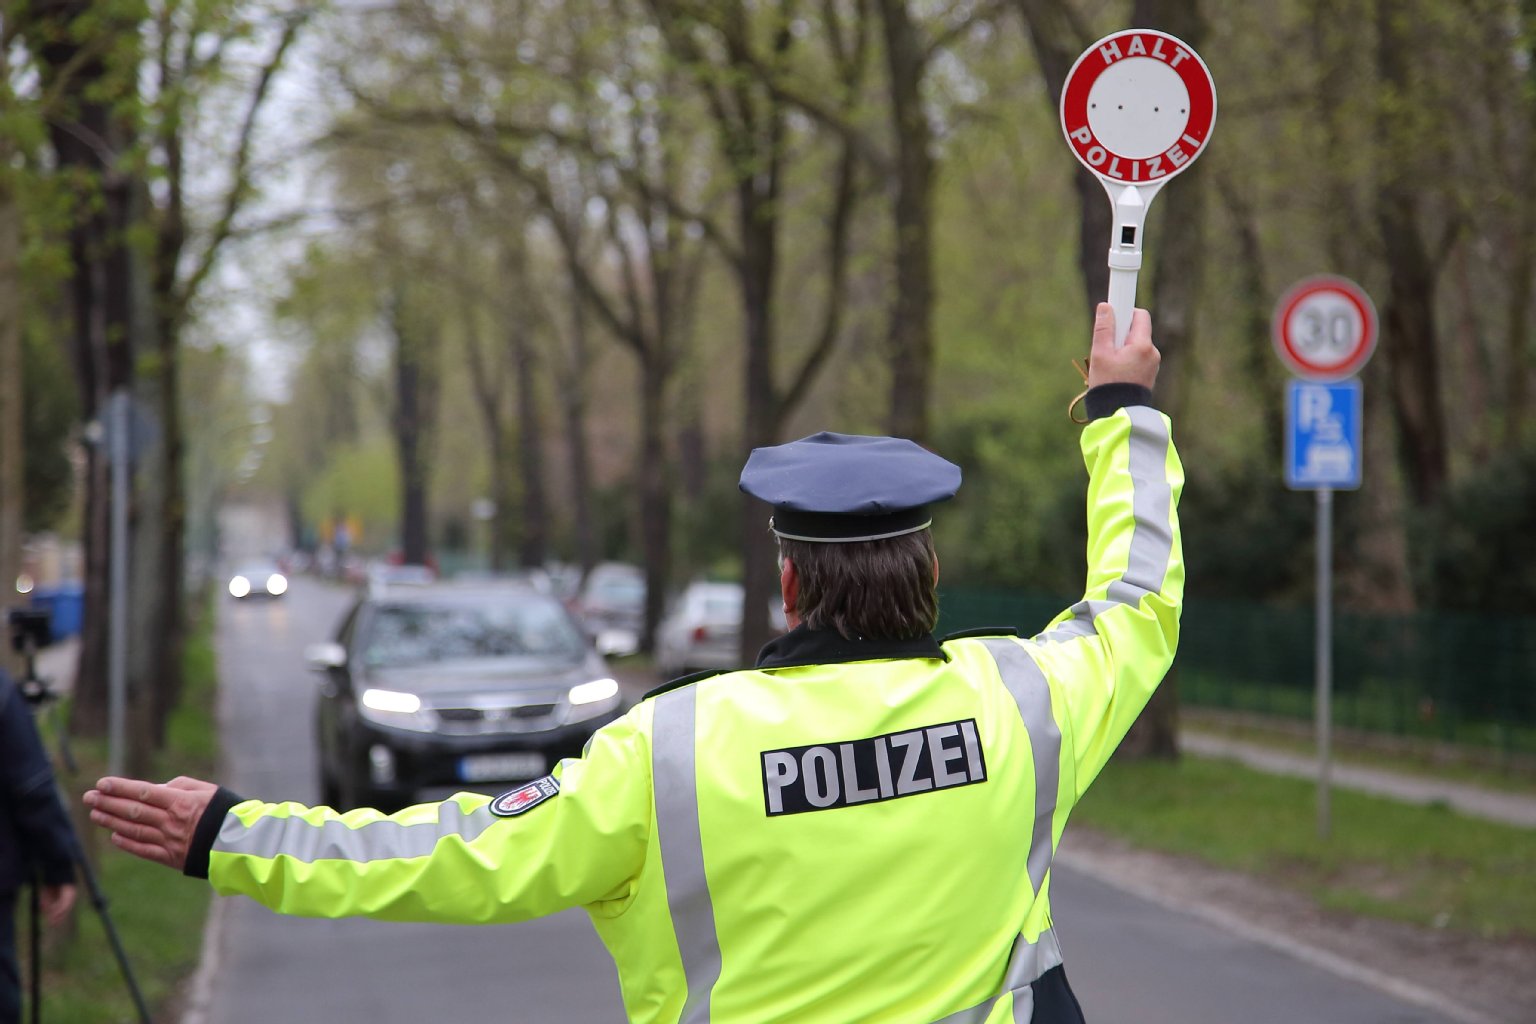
(470, 721)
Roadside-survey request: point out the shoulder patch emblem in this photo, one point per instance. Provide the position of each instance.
(525, 797)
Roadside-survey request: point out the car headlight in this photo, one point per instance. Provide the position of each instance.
(239, 586)
(595, 691)
(394, 707)
(277, 584)
(589, 698)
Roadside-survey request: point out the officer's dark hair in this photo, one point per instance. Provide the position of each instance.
(874, 589)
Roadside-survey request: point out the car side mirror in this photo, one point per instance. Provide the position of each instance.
(324, 657)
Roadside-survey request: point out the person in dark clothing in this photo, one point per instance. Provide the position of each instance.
(37, 844)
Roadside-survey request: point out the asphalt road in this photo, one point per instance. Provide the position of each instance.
(272, 968)
(1130, 961)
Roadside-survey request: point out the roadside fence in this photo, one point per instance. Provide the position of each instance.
(1448, 677)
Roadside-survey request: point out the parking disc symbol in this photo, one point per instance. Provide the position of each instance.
(1322, 435)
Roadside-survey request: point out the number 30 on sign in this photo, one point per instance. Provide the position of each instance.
(1325, 328)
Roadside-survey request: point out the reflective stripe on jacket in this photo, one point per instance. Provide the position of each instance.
(868, 839)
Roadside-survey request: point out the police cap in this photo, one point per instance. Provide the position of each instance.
(847, 487)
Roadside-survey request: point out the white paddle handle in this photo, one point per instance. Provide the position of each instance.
(1130, 216)
(1122, 296)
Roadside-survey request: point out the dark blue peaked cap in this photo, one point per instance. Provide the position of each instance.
(847, 487)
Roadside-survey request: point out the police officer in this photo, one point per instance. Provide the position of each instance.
(859, 828)
(37, 845)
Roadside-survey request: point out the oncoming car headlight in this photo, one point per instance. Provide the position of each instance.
(590, 698)
(239, 586)
(394, 707)
(277, 584)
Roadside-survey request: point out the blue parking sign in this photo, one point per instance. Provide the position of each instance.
(1322, 435)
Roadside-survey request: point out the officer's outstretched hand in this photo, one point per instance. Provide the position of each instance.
(1136, 362)
(150, 820)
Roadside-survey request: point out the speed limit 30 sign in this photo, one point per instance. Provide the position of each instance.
(1325, 328)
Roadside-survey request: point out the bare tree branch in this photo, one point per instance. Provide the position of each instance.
(240, 184)
(942, 40)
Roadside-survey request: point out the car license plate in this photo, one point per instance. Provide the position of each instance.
(500, 767)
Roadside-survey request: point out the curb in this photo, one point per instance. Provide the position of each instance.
(200, 991)
(1397, 988)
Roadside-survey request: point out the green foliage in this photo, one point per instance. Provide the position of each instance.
(361, 480)
(708, 541)
(1247, 536)
(1018, 519)
(51, 409)
(1476, 550)
(1426, 865)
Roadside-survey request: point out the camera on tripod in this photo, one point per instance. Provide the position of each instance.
(31, 630)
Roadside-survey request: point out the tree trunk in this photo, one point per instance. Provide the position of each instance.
(655, 486)
(1262, 366)
(1517, 336)
(534, 545)
(150, 628)
(87, 138)
(910, 335)
(760, 425)
(1522, 264)
(104, 346)
(12, 419)
(502, 497)
(573, 407)
(1176, 285)
(413, 402)
(1408, 321)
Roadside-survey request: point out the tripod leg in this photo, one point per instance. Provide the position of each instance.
(99, 901)
(35, 966)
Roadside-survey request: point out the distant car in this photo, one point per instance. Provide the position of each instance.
(258, 579)
(452, 684)
(611, 606)
(702, 629)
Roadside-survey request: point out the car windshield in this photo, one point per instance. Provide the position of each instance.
(417, 634)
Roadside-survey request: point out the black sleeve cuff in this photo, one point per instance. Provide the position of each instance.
(56, 872)
(1106, 399)
(207, 831)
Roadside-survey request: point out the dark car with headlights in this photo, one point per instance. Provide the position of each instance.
(453, 685)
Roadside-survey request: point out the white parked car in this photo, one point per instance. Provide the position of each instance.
(702, 629)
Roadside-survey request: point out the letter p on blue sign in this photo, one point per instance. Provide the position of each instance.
(1323, 435)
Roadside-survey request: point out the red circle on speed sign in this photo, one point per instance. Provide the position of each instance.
(1325, 328)
(1138, 106)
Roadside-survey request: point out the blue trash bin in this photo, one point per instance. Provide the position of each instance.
(65, 602)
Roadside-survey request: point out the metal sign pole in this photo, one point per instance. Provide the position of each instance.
(1324, 329)
(1324, 657)
(117, 619)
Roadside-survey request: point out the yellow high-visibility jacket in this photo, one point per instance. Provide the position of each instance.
(850, 831)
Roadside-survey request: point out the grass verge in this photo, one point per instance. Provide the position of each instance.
(1441, 762)
(157, 913)
(1424, 865)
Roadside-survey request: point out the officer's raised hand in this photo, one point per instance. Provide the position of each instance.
(150, 820)
(1136, 362)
